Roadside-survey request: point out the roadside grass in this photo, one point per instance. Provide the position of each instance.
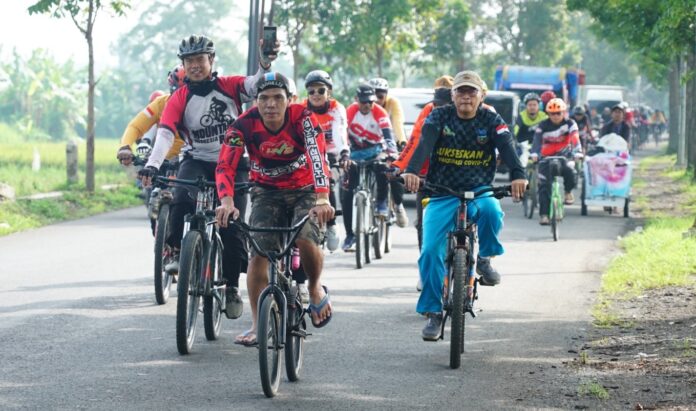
(658, 255)
(26, 214)
(593, 389)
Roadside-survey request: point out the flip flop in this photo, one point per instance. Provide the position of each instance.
(244, 341)
(317, 309)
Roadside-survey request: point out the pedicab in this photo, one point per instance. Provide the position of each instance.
(607, 176)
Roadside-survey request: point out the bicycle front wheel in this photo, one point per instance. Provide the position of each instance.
(457, 329)
(268, 338)
(191, 263)
(532, 194)
(212, 311)
(294, 341)
(554, 218)
(359, 232)
(163, 280)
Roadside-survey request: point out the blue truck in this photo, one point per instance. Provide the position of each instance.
(524, 79)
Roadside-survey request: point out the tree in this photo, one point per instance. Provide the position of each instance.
(83, 14)
(296, 18)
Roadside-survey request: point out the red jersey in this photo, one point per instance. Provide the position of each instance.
(369, 130)
(332, 120)
(289, 159)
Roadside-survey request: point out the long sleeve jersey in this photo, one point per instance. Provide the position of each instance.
(525, 125)
(462, 152)
(201, 112)
(334, 123)
(396, 116)
(369, 130)
(408, 151)
(145, 120)
(288, 159)
(556, 139)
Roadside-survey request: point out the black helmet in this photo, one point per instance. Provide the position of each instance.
(531, 96)
(578, 110)
(318, 76)
(366, 93)
(196, 45)
(273, 80)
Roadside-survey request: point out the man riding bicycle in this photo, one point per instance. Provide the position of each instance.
(369, 133)
(188, 111)
(287, 156)
(332, 118)
(526, 123)
(556, 136)
(461, 141)
(582, 119)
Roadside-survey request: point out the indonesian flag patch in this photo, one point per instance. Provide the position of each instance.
(503, 128)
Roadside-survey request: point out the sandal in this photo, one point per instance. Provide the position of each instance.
(318, 307)
(247, 339)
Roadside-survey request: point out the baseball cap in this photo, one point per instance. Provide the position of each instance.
(442, 96)
(273, 80)
(621, 106)
(468, 78)
(366, 93)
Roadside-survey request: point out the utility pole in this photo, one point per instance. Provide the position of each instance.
(254, 31)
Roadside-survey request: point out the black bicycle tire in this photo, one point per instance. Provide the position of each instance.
(212, 312)
(294, 344)
(533, 193)
(359, 239)
(457, 309)
(189, 269)
(387, 237)
(162, 280)
(554, 219)
(268, 312)
(378, 236)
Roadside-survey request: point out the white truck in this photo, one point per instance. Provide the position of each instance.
(600, 96)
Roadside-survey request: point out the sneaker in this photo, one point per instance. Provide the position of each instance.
(172, 267)
(234, 306)
(433, 328)
(331, 238)
(489, 276)
(382, 209)
(569, 199)
(544, 220)
(304, 293)
(349, 242)
(401, 216)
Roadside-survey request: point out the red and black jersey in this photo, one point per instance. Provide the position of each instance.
(288, 159)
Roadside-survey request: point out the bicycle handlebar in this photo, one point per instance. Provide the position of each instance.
(498, 191)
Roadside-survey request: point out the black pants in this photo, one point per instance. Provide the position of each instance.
(546, 176)
(352, 182)
(235, 255)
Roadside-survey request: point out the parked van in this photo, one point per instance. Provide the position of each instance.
(600, 96)
(412, 102)
(506, 103)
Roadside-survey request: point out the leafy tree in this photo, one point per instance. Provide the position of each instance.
(296, 18)
(83, 14)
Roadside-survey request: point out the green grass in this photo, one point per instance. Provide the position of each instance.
(25, 214)
(593, 389)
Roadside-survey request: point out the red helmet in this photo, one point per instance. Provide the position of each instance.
(176, 78)
(155, 94)
(547, 95)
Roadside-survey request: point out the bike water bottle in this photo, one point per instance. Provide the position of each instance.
(154, 203)
(295, 259)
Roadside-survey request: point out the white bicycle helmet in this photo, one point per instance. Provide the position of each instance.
(379, 83)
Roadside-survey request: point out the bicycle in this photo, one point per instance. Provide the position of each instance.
(281, 315)
(556, 211)
(369, 228)
(200, 267)
(460, 290)
(530, 197)
(160, 199)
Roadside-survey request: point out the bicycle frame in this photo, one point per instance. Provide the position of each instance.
(364, 194)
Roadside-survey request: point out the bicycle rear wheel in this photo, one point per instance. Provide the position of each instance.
(554, 217)
(268, 338)
(379, 235)
(359, 232)
(191, 261)
(367, 237)
(294, 341)
(532, 194)
(212, 311)
(457, 309)
(163, 280)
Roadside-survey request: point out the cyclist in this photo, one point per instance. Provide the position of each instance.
(595, 119)
(442, 96)
(287, 154)
(584, 126)
(332, 118)
(546, 96)
(461, 141)
(145, 122)
(369, 134)
(618, 124)
(556, 136)
(396, 115)
(526, 123)
(201, 111)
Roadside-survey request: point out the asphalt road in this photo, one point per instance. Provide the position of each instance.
(79, 327)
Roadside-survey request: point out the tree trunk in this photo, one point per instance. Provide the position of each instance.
(89, 175)
(673, 107)
(691, 112)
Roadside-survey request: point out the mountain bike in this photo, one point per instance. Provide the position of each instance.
(281, 315)
(369, 228)
(460, 290)
(556, 211)
(200, 267)
(160, 199)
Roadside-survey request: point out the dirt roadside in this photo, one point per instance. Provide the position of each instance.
(649, 362)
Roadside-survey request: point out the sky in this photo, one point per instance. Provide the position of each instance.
(62, 38)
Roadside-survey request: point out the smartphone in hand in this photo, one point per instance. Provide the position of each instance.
(269, 40)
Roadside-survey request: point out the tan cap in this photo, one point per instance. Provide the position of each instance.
(468, 78)
(444, 81)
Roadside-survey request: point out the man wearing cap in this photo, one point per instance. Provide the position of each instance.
(461, 141)
(617, 125)
(369, 135)
(200, 111)
(287, 160)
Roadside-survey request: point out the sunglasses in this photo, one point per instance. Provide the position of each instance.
(555, 114)
(321, 91)
(466, 91)
(381, 94)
